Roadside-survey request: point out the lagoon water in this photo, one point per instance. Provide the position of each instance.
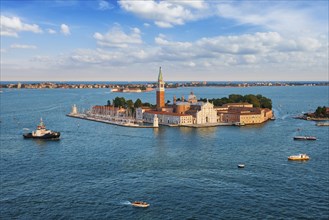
(184, 173)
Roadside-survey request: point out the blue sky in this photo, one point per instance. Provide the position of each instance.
(108, 40)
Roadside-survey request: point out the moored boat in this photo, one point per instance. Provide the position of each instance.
(299, 157)
(140, 204)
(42, 133)
(310, 138)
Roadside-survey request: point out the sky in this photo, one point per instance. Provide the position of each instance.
(192, 40)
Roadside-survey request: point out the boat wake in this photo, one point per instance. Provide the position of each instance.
(125, 203)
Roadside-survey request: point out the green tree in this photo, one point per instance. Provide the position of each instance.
(147, 104)
(129, 104)
(108, 102)
(235, 98)
(119, 102)
(138, 103)
(252, 99)
(265, 102)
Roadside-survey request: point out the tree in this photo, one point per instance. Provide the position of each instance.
(119, 102)
(265, 102)
(138, 103)
(235, 98)
(147, 104)
(129, 104)
(108, 102)
(252, 99)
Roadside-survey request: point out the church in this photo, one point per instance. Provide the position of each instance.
(180, 113)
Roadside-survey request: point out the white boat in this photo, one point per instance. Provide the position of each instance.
(310, 138)
(140, 204)
(241, 165)
(299, 157)
(322, 124)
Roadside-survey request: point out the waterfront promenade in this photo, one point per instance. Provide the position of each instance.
(120, 121)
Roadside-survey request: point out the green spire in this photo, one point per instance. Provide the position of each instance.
(160, 75)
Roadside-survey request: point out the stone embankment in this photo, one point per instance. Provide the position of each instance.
(120, 121)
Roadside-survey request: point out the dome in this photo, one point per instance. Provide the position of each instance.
(192, 98)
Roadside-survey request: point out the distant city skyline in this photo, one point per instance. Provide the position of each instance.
(107, 40)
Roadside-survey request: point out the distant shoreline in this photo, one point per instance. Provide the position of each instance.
(151, 85)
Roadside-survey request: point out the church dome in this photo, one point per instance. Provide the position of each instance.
(192, 98)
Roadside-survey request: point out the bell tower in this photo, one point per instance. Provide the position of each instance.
(160, 93)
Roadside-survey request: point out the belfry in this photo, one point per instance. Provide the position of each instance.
(160, 93)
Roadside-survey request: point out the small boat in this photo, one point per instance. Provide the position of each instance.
(42, 133)
(322, 124)
(140, 204)
(299, 157)
(241, 165)
(310, 138)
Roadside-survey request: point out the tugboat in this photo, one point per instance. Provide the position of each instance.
(42, 133)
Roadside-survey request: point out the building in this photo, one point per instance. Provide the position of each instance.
(233, 114)
(167, 118)
(160, 92)
(108, 110)
(197, 113)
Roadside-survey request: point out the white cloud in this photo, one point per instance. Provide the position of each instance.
(51, 31)
(65, 29)
(253, 51)
(167, 14)
(104, 5)
(10, 26)
(280, 17)
(42, 59)
(23, 46)
(198, 4)
(117, 38)
(2, 50)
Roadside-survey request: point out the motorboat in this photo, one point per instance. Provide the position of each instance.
(140, 204)
(299, 157)
(241, 165)
(310, 138)
(42, 133)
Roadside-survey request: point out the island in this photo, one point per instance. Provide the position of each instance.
(320, 114)
(189, 112)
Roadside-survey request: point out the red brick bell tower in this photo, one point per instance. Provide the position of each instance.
(160, 92)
